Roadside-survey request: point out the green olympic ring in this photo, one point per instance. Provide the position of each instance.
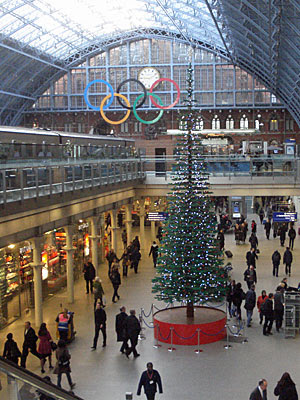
(142, 120)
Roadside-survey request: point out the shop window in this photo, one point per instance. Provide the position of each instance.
(215, 123)
(244, 122)
(229, 122)
(289, 124)
(274, 124)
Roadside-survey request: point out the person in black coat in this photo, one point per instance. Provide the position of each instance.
(268, 229)
(267, 309)
(221, 239)
(150, 379)
(154, 252)
(100, 323)
(230, 290)
(287, 260)
(278, 307)
(132, 329)
(89, 275)
(251, 257)
(260, 392)
(111, 255)
(282, 233)
(253, 241)
(135, 257)
(11, 351)
(292, 235)
(286, 388)
(136, 243)
(30, 339)
(237, 298)
(116, 281)
(276, 257)
(250, 303)
(120, 329)
(250, 276)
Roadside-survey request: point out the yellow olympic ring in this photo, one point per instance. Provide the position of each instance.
(109, 120)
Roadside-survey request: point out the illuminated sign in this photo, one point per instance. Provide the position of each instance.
(157, 216)
(284, 216)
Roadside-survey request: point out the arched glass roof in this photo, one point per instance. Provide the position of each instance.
(41, 39)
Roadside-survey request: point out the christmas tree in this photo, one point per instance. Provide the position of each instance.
(189, 267)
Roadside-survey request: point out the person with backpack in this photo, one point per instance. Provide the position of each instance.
(287, 260)
(11, 351)
(250, 304)
(276, 257)
(63, 363)
(292, 235)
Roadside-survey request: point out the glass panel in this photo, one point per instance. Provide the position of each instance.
(224, 77)
(160, 50)
(118, 55)
(61, 86)
(203, 77)
(139, 52)
(243, 98)
(100, 59)
(224, 98)
(77, 81)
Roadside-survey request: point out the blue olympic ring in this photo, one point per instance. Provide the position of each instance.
(86, 98)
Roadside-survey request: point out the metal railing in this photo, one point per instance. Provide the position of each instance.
(48, 178)
(23, 384)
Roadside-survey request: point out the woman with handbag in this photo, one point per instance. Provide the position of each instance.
(63, 363)
(45, 347)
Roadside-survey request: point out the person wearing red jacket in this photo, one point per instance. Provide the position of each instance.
(261, 299)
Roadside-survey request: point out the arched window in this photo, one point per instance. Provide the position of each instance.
(244, 123)
(273, 123)
(199, 124)
(215, 123)
(289, 125)
(229, 122)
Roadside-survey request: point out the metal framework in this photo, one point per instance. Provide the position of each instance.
(42, 39)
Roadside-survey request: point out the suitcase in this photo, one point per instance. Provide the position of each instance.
(228, 253)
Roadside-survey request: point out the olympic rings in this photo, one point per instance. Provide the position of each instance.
(139, 83)
(142, 120)
(171, 105)
(86, 94)
(109, 120)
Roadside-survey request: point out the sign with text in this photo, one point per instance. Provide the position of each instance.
(157, 216)
(284, 216)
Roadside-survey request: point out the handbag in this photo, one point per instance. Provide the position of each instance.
(53, 346)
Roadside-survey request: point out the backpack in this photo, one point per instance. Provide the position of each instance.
(263, 307)
(63, 360)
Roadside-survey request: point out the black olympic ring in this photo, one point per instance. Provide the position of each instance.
(144, 90)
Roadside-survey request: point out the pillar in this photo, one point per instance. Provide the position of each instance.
(153, 229)
(113, 214)
(37, 279)
(128, 222)
(70, 267)
(94, 242)
(142, 223)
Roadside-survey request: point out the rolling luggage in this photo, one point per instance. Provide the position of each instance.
(228, 253)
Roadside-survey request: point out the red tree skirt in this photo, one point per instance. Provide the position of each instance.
(209, 320)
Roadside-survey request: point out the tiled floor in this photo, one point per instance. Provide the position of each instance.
(215, 373)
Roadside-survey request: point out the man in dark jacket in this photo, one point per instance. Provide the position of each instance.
(120, 329)
(111, 255)
(253, 241)
(250, 302)
(276, 257)
(89, 275)
(30, 340)
(132, 329)
(135, 257)
(268, 229)
(150, 379)
(282, 233)
(278, 307)
(287, 260)
(221, 239)
(260, 392)
(292, 235)
(250, 276)
(154, 252)
(267, 309)
(251, 258)
(100, 323)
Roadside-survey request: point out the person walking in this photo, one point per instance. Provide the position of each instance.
(89, 275)
(286, 388)
(120, 329)
(100, 323)
(268, 228)
(150, 379)
(268, 312)
(11, 351)
(261, 215)
(136, 243)
(250, 304)
(278, 307)
(287, 260)
(221, 240)
(261, 299)
(276, 257)
(282, 233)
(125, 261)
(292, 235)
(253, 226)
(253, 241)
(44, 348)
(154, 252)
(237, 299)
(132, 329)
(251, 257)
(250, 276)
(260, 392)
(98, 291)
(124, 238)
(135, 259)
(63, 363)
(111, 255)
(116, 281)
(30, 339)
(230, 291)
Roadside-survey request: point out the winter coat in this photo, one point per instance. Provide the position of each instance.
(11, 350)
(62, 353)
(150, 382)
(287, 257)
(132, 327)
(120, 326)
(286, 392)
(278, 301)
(45, 345)
(89, 272)
(268, 226)
(238, 296)
(100, 317)
(276, 257)
(292, 233)
(115, 277)
(250, 275)
(250, 300)
(268, 308)
(98, 290)
(260, 301)
(154, 251)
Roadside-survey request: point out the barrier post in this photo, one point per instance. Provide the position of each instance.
(171, 348)
(142, 334)
(243, 330)
(156, 345)
(198, 350)
(151, 313)
(227, 345)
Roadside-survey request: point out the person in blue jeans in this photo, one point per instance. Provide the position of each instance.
(250, 302)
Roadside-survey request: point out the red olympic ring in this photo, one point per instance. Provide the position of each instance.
(171, 105)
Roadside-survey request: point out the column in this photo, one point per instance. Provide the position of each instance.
(142, 223)
(70, 272)
(94, 242)
(37, 279)
(113, 214)
(153, 229)
(128, 222)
